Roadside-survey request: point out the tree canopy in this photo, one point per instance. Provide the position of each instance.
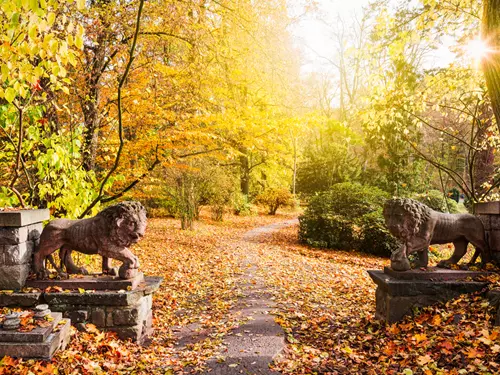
(99, 100)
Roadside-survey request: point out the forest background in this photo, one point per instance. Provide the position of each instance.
(184, 104)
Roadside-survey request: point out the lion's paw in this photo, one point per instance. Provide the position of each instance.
(79, 271)
(62, 275)
(400, 265)
(43, 274)
(111, 272)
(444, 264)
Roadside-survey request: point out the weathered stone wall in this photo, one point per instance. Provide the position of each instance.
(129, 322)
(492, 228)
(19, 234)
(489, 213)
(397, 297)
(128, 313)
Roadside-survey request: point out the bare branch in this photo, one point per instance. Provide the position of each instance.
(120, 120)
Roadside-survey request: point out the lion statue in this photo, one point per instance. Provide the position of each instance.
(108, 234)
(417, 226)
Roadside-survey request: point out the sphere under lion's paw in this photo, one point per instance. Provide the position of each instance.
(127, 273)
(400, 265)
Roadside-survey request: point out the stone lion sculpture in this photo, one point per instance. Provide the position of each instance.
(417, 226)
(108, 234)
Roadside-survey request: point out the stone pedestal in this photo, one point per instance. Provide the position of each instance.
(399, 292)
(121, 306)
(40, 343)
(19, 234)
(489, 213)
(90, 282)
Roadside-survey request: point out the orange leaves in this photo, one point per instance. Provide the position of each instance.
(390, 349)
(325, 304)
(424, 360)
(53, 289)
(10, 365)
(436, 320)
(447, 347)
(473, 353)
(7, 364)
(420, 337)
(393, 329)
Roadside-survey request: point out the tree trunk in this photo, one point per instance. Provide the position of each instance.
(273, 209)
(294, 182)
(96, 59)
(484, 169)
(491, 63)
(91, 135)
(245, 174)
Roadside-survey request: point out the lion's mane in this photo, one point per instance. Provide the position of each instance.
(414, 215)
(131, 210)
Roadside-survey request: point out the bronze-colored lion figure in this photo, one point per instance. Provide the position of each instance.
(108, 234)
(417, 226)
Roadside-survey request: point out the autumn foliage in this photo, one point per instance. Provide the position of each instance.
(275, 198)
(189, 105)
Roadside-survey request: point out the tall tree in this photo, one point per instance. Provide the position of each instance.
(491, 63)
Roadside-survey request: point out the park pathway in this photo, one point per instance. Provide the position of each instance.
(250, 348)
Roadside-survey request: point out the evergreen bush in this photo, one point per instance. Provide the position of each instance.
(374, 237)
(348, 217)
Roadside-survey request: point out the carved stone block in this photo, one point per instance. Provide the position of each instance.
(13, 277)
(486, 220)
(23, 218)
(494, 241)
(396, 298)
(98, 317)
(494, 222)
(18, 254)
(488, 208)
(13, 235)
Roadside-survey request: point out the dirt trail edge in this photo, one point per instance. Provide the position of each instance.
(251, 347)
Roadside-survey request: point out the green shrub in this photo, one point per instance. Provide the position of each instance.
(349, 216)
(351, 200)
(275, 198)
(374, 237)
(160, 207)
(331, 231)
(435, 200)
(241, 205)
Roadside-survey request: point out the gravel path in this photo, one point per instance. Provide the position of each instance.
(251, 347)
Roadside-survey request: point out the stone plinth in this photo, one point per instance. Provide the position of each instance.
(488, 208)
(23, 218)
(92, 282)
(397, 295)
(40, 343)
(19, 234)
(489, 213)
(433, 274)
(126, 312)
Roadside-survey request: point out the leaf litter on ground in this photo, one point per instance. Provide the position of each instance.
(326, 304)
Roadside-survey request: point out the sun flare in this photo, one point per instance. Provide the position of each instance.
(477, 49)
